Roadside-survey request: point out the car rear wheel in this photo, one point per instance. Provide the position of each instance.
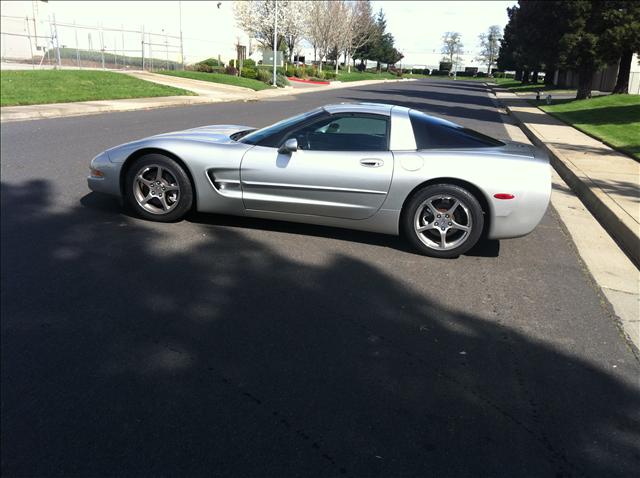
(157, 188)
(443, 220)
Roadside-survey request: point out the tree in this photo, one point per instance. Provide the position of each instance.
(256, 18)
(363, 26)
(621, 38)
(579, 47)
(293, 25)
(452, 46)
(320, 28)
(490, 46)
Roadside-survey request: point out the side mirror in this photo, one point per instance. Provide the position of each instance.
(289, 146)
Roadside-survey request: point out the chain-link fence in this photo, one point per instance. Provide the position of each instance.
(47, 43)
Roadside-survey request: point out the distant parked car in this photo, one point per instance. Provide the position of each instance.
(373, 167)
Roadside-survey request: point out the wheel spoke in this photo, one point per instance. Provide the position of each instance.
(443, 238)
(433, 209)
(146, 199)
(171, 188)
(426, 227)
(159, 174)
(461, 227)
(456, 203)
(163, 200)
(141, 179)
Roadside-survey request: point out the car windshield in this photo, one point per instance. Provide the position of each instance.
(256, 136)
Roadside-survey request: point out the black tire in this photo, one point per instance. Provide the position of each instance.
(427, 242)
(172, 175)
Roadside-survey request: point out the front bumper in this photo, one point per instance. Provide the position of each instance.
(109, 181)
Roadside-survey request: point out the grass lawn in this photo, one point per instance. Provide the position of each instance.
(613, 119)
(219, 78)
(367, 75)
(49, 86)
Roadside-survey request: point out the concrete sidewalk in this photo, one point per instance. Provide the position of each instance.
(208, 92)
(608, 182)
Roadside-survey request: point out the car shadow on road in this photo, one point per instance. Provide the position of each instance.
(484, 248)
(127, 352)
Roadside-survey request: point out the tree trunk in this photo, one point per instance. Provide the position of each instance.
(548, 77)
(518, 76)
(534, 77)
(622, 83)
(525, 77)
(585, 82)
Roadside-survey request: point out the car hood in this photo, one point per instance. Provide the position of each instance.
(212, 133)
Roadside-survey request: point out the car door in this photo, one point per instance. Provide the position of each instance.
(342, 169)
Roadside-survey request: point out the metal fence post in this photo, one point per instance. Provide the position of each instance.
(75, 31)
(102, 45)
(55, 28)
(142, 42)
(30, 44)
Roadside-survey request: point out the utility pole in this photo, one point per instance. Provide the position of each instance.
(275, 41)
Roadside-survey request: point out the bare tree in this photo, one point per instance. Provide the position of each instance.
(256, 18)
(294, 25)
(363, 26)
(452, 46)
(490, 46)
(320, 27)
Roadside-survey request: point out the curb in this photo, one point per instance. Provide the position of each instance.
(311, 82)
(603, 208)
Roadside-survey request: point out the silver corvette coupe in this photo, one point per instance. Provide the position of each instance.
(373, 167)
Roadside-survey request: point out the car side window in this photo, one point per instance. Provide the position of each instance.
(346, 132)
(434, 133)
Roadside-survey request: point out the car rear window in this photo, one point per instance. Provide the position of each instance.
(435, 133)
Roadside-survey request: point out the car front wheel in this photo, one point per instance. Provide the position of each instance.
(158, 188)
(443, 220)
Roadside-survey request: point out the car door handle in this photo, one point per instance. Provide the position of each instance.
(371, 162)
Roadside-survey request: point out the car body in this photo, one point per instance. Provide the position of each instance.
(354, 166)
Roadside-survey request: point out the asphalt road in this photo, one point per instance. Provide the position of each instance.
(237, 347)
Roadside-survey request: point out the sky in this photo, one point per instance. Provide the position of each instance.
(210, 30)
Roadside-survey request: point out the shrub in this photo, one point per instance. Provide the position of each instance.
(203, 67)
(232, 63)
(281, 81)
(329, 75)
(249, 63)
(230, 70)
(361, 67)
(425, 71)
(481, 74)
(290, 71)
(263, 75)
(248, 73)
(211, 62)
(435, 72)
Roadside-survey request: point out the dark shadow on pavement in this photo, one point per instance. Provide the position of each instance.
(125, 353)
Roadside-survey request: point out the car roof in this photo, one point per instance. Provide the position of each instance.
(373, 108)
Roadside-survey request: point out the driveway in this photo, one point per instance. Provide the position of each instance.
(224, 346)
